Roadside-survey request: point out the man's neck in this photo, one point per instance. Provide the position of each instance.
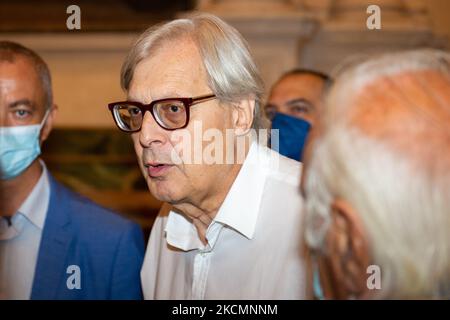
(203, 212)
(15, 191)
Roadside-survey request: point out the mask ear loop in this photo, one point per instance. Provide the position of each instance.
(44, 119)
(317, 287)
(41, 125)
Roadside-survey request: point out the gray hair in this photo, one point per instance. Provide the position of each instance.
(231, 72)
(8, 51)
(402, 196)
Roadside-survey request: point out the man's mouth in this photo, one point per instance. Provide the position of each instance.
(157, 169)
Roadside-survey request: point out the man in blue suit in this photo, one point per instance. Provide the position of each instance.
(54, 244)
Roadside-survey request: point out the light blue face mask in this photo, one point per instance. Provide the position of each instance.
(19, 147)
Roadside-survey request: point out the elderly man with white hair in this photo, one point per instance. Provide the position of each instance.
(232, 228)
(377, 181)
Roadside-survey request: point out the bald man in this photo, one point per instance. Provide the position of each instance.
(54, 244)
(377, 181)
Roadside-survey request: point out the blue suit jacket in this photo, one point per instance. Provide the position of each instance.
(107, 249)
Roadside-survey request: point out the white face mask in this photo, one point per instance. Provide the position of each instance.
(19, 147)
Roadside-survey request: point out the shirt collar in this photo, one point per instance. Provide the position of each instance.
(241, 206)
(239, 210)
(35, 206)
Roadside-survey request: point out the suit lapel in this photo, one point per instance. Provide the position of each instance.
(55, 244)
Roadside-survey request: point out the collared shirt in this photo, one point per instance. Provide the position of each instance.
(253, 246)
(19, 243)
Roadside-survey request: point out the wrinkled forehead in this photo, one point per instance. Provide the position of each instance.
(174, 68)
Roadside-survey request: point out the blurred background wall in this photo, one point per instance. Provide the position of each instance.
(87, 152)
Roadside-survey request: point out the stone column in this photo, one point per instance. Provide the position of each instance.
(320, 34)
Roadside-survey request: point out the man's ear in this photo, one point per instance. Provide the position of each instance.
(348, 251)
(242, 116)
(48, 125)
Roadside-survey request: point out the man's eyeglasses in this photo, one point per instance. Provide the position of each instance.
(169, 114)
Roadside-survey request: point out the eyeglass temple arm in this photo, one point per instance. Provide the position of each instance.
(203, 99)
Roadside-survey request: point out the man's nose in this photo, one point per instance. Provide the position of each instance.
(151, 132)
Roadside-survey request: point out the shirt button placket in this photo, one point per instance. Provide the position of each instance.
(201, 268)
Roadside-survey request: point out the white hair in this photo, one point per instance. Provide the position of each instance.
(403, 203)
(231, 72)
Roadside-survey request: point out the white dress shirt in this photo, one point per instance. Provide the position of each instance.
(254, 242)
(19, 243)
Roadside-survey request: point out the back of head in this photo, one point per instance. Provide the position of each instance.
(384, 146)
